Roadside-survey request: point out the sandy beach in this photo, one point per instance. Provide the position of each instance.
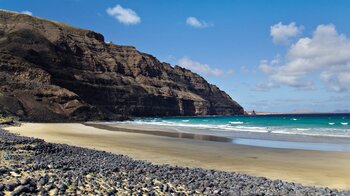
(316, 168)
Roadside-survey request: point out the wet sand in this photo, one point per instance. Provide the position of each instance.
(167, 133)
(314, 168)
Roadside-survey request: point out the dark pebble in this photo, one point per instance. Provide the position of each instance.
(42, 181)
(3, 170)
(11, 186)
(20, 189)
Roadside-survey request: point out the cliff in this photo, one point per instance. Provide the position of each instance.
(52, 71)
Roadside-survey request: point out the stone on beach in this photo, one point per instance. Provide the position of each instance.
(67, 170)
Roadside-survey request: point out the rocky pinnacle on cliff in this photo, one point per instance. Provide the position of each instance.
(52, 71)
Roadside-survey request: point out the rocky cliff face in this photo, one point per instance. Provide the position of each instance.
(52, 71)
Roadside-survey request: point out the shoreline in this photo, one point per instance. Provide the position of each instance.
(300, 166)
(268, 140)
(172, 134)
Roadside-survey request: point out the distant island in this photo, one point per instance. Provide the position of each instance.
(51, 71)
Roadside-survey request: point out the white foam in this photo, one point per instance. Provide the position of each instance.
(185, 126)
(302, 129)
(242, 128)
(218, 127)
(236, 122)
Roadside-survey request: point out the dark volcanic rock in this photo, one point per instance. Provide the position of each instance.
(52, 71)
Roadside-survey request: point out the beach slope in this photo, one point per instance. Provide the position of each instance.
(315, 168)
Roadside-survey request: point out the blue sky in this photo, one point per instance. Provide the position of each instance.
(278, 56)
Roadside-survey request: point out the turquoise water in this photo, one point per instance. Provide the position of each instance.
(337, 125)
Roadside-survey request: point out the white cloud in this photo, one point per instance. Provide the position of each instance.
(265, 86)
(281, 33)
(325, 54)
(245, 69)
(194, 22)
(124, 15)
(27, 12)
(203, 69)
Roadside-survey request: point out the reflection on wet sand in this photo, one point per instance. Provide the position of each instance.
(164, 133)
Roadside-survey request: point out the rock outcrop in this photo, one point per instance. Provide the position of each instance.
(52, 71)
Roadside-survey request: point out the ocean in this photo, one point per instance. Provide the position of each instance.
(326, 132)
(333, 125)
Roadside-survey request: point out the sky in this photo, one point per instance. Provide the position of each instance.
(269, 56)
